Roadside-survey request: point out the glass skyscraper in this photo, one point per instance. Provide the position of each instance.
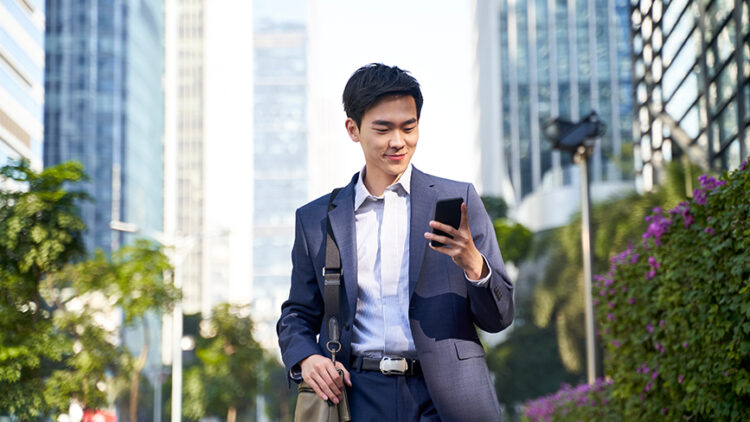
(553, 58)
(280, 152)
(691, 68)
(104, 108)
(21, 80)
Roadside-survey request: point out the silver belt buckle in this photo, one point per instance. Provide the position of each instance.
(393, 366)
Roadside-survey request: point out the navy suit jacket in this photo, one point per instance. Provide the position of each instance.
(444, 307)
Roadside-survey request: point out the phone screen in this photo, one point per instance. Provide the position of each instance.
(447, 211)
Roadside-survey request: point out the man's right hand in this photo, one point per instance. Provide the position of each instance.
(319, 372)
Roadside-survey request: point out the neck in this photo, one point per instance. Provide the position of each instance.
(376, 183)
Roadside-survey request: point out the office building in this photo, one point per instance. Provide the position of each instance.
(544, 59)
(185, 149)
(104, 108)
(208, 150)
(280, 153)
(691, 69)
(21, 80)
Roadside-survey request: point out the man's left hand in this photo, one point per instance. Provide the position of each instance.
(460, 247)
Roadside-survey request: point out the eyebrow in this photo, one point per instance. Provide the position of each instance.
(390, 124)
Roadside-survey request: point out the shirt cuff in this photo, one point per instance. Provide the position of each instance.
(482, 281)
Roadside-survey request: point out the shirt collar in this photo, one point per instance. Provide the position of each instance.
(361, 193)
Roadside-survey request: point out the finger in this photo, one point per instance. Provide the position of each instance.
(347, 377)
(314, 384)
(448, 229)
(445, 240)
(327, 386)
(336, 378)
(464, 224)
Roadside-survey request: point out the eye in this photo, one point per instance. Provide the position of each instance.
(381, 130)
(408, 129)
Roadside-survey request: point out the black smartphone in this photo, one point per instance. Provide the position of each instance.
(447, 211)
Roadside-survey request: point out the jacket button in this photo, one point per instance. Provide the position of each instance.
(347, 326)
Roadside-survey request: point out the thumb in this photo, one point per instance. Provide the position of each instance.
(347, 377)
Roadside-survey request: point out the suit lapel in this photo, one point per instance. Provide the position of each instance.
(423, 196)
(342, 224)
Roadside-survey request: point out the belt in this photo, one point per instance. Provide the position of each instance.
(388, 365)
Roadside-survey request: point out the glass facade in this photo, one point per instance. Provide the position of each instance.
(21, 80)
(280, 152)
(691, 67)
(104, 108)
(563, 58)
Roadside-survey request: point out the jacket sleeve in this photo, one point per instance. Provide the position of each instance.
(302, 313)
(492, 303)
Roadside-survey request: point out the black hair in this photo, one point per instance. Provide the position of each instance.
(374, 81)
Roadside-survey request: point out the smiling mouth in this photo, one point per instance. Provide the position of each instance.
(396, 157)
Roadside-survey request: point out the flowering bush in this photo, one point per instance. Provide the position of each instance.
(581, 403)
(674, 309)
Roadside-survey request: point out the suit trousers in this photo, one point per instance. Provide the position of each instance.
(393, 398)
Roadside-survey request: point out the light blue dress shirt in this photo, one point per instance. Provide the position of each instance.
(381, 323)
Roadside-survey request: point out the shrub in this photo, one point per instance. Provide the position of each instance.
(674, 309)
(582, 403)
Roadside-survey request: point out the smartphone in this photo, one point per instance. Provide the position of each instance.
(447, 211)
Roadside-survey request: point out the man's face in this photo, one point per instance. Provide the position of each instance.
(388, 136)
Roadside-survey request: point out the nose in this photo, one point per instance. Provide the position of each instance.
(397, 140)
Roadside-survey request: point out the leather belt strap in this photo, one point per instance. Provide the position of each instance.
(385, 365)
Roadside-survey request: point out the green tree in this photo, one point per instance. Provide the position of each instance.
(40, 231)
(495, 206)
(55, 344)
(230, 373)
(131, 280)
(513, 238)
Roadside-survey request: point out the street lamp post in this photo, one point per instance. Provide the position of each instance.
(578, 139)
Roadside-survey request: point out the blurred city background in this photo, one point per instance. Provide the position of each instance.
(202, 126)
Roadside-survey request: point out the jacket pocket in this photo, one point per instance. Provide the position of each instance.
(467, 349)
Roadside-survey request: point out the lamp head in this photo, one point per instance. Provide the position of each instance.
(568, 136)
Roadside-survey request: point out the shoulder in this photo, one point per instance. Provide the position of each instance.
(443, 185)
(319, 207)
(315, 207)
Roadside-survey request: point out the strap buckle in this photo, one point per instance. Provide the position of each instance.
(393, 366)
(332, 274)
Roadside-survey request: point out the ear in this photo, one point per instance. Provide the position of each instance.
(352, 129)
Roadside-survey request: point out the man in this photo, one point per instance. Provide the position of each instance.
(404, 300)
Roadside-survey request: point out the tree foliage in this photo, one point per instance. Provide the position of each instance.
(495, 206)
(57, 337)
(40, 231)
(674, 316)
(675, 309)
(230, 372)
(513, 238)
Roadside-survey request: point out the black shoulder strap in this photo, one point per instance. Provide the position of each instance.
(332, 274)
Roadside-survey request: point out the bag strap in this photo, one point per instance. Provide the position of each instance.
(332, 274)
